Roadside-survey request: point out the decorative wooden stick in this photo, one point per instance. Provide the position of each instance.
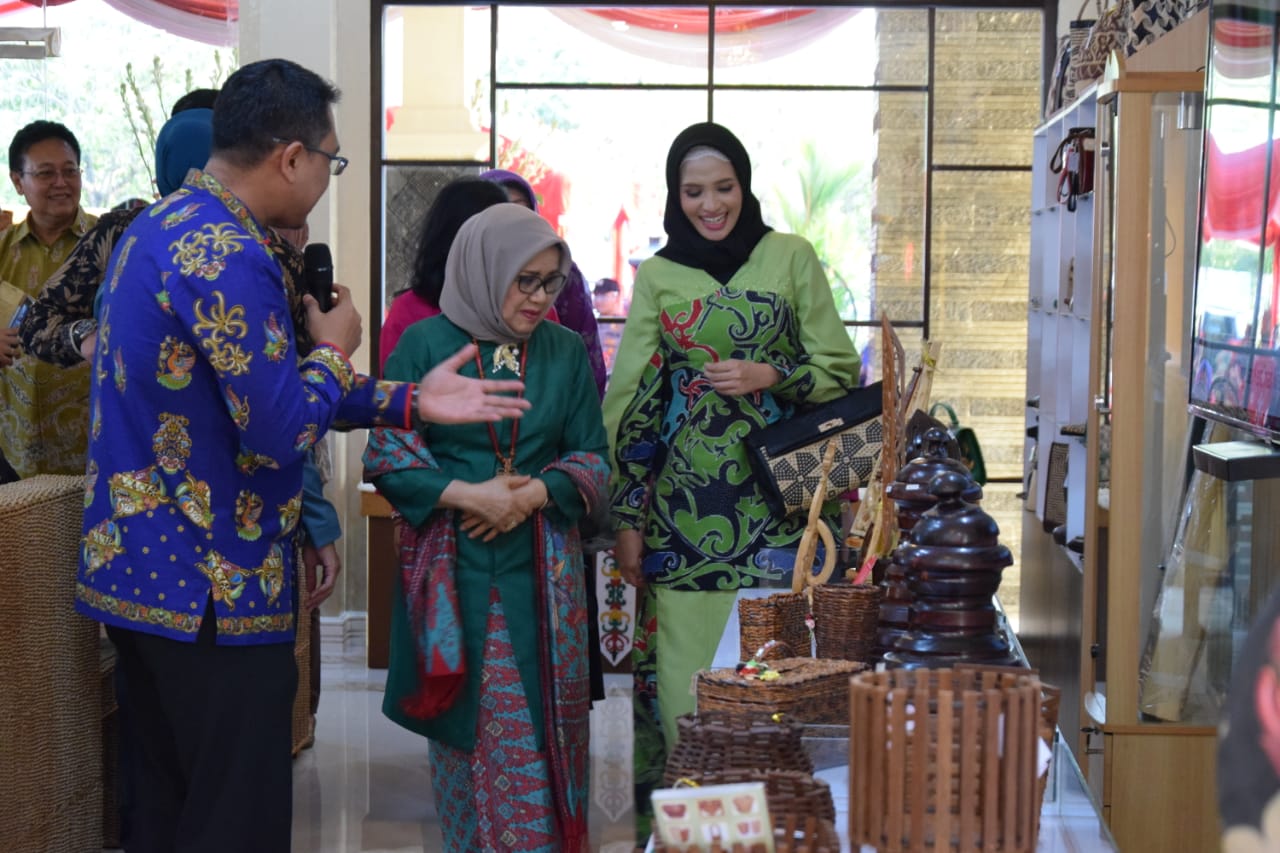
(802, 577)
(881, 540)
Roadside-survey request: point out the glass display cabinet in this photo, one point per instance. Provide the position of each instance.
(1156, 784)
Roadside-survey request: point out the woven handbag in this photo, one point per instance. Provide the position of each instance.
(1148, 20)
(787, 456)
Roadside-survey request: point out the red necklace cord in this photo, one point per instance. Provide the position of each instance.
(508, 462)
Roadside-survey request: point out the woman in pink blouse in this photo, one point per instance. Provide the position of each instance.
(457, 202)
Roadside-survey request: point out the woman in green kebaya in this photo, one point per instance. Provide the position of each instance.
(732, 325)
(489, 628)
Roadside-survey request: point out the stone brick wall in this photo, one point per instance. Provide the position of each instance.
(986, 91)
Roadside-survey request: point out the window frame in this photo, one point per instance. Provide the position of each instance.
(379, 162)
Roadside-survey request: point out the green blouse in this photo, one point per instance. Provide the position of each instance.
(681, 470)
(565, 418)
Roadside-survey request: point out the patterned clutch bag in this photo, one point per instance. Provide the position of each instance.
(787, 456)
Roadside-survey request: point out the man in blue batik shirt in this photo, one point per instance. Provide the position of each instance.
(201, 416)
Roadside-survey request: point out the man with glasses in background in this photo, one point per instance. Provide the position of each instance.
(44, 410)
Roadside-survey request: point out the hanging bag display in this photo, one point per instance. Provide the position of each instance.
(787, 456)
(967, 440)
(1072, 162)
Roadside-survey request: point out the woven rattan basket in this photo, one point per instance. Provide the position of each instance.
(777, 617)
(716, 742)
(50, 669)
(811, 690)
(847, 618)
(945, 760)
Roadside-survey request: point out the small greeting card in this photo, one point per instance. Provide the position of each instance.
(698, 817)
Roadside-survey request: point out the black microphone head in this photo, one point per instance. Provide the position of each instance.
(317, 264)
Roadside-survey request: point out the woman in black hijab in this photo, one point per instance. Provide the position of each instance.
(732, 325)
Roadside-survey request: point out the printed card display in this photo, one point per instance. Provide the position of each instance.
(697, 817)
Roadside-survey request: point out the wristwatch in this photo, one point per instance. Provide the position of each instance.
(80, 330)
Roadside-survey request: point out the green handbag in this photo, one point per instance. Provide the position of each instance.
(967, 440)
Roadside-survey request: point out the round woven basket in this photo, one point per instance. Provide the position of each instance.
(716, 742)
(811, 690)
(847, 618)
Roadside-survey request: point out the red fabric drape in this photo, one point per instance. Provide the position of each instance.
(694, 21)
(1242, 34)
(1234, 208)
(218, 10)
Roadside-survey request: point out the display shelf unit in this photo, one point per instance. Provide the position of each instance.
(1059, 314)
(1157, 786)
(1109, 318)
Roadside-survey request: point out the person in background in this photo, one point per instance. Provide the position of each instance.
(573, 306)
(44, 411)
(491, 556)
(457, 201)
(607, 296)
(732, 325)
(60, 327)
(201, 417)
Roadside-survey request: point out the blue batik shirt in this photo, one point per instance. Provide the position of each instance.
(201, 417)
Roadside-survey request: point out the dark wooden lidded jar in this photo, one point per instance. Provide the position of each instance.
(910, 493)
(953, 565)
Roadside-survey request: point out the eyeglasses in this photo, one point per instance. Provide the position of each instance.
(529, 283)
(337, 164)
(48, 176)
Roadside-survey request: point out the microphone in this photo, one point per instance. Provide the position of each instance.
(317, 275)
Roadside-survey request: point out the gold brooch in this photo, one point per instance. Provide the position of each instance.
(506, 356)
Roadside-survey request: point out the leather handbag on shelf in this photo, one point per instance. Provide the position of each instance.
(1072, 161)
(967, 439)
(787, 456)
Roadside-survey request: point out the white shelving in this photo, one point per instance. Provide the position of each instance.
(1059, 311)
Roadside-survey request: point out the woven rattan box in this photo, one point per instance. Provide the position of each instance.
(810, 690)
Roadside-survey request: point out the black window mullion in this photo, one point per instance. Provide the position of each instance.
(928, 90)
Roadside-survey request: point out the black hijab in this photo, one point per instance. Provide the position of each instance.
(718, 258)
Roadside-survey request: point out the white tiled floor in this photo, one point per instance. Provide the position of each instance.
(364, 786)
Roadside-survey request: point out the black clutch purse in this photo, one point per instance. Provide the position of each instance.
(787, 456)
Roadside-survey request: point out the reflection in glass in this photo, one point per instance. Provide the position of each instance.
(1235, 361)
